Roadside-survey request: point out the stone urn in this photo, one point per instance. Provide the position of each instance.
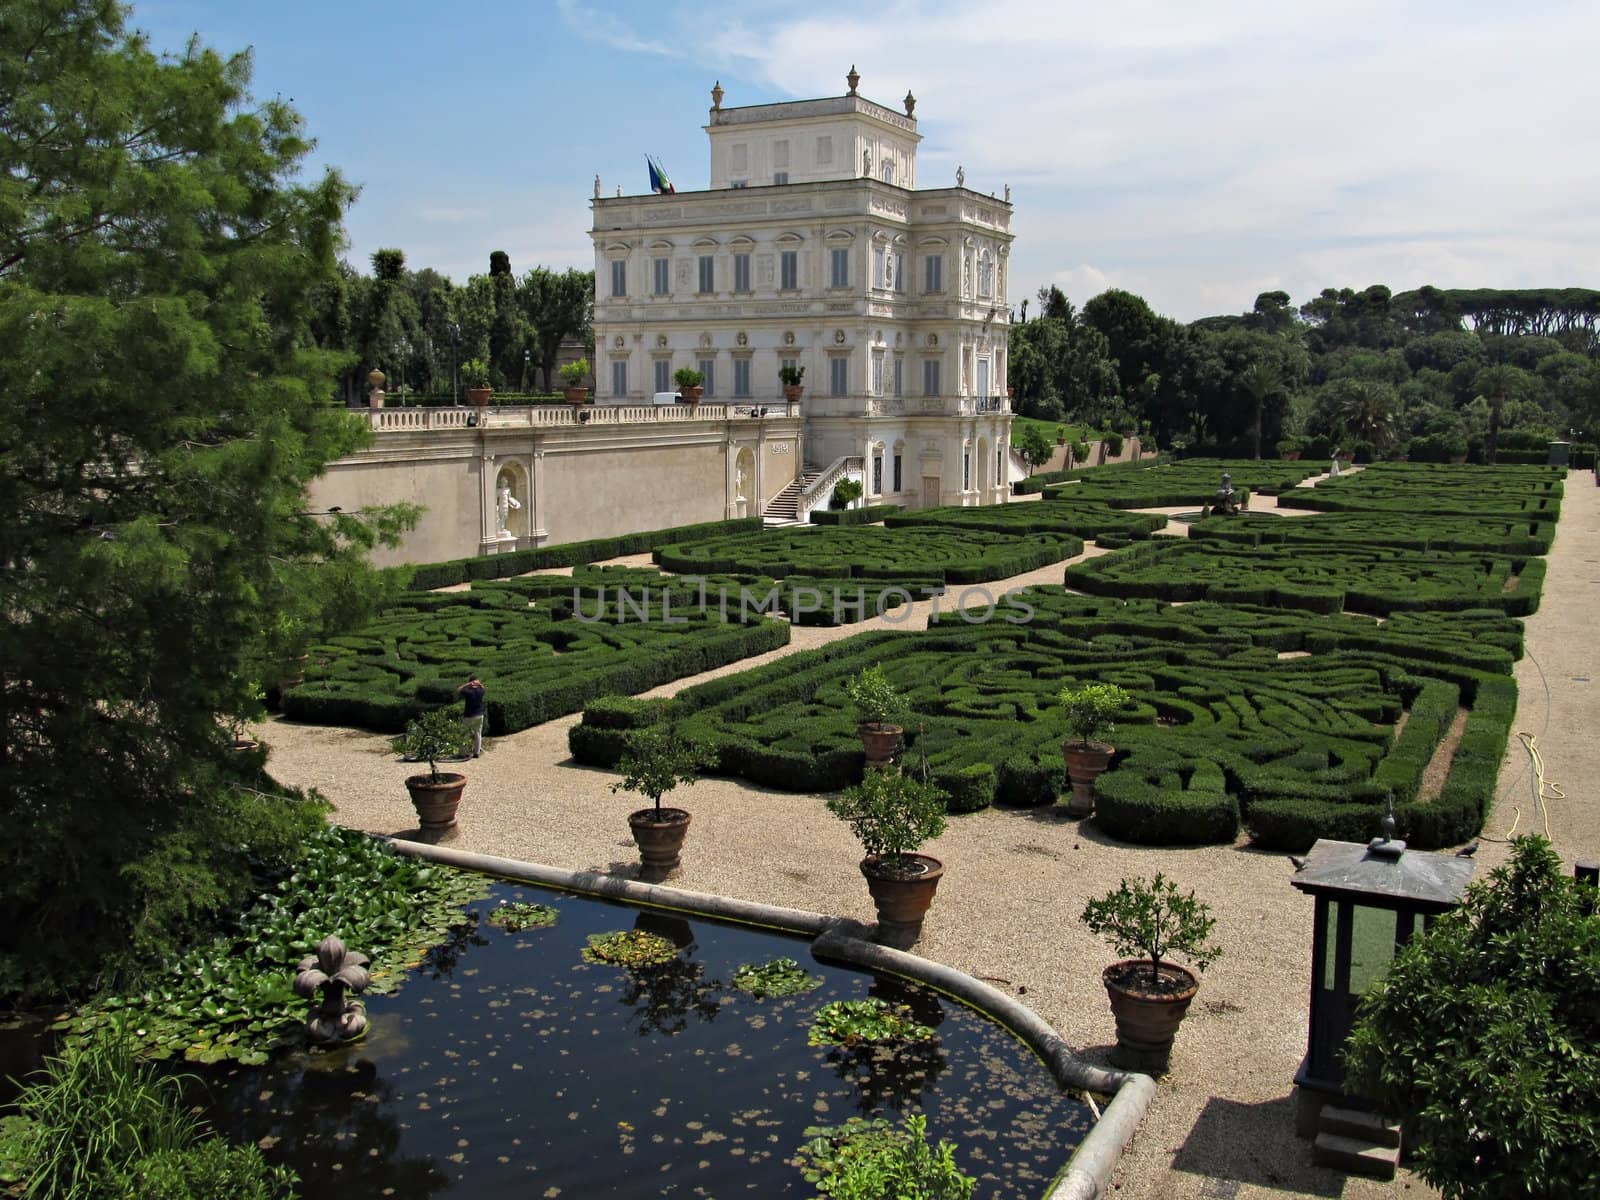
(1086, 762)
(436, 801)
(880, 740)
(902, 898)
(659, 836)
(1148, 1013)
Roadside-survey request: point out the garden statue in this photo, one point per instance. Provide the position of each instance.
(503, 507)
(333, 970)
(961, 177)
(1334, 469)
(1226, 503)
(597, 187)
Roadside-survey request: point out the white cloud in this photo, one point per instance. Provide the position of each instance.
(608, 30)
(1201, 153)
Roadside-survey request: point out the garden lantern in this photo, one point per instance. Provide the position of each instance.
(1370, 900)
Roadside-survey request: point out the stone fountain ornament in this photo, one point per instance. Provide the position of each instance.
(333, 971)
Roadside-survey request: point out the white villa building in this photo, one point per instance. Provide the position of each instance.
(812, 248)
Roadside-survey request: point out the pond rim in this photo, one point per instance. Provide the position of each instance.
(1087, 1174)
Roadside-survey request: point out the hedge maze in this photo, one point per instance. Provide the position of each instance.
(1221, 730)
(1325, 578)
(537, 663)
(1405, 490)
(1077, 518)
(1193, 481)
(1419, 532)
(949, 555)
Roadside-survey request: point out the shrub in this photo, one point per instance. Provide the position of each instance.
(655, 762)
(475, 373)
(437, 733)
(1478, 1033)
(870, 515)
(1152, 919)
(845, 493)
(1090, 709)
(877, 701)
(574, 373)
(688, 377)
(791, 376)
(891, 814)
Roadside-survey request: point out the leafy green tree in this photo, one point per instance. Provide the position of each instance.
(1483, 1034)
(1496, 385)
(1036, 447)
(1261, 383)
(165, 408)
(556, 306)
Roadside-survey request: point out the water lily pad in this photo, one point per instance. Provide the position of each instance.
(630, 948)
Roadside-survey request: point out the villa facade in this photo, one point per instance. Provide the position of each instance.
(812, 248)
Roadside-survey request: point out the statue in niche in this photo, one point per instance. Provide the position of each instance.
(866, 163)
(742, 482)
(504, 506)
(961, 177)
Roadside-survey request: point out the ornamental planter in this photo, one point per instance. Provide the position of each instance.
(691, 395)
(1148, 1017)
(436, 802)
(1086, 762)
(577, 395)
(478, 397)
(880, 740)
(902, 902)
(1290, 456)
(660, 840)
(793, 394)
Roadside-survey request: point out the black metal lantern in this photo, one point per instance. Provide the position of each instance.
(1370, 900)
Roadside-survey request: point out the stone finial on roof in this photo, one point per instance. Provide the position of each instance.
(716, 96)
(853, 78)
(911, 103)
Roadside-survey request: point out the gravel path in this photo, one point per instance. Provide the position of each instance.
(1222, 1122)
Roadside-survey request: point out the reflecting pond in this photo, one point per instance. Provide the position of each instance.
(510, 1067)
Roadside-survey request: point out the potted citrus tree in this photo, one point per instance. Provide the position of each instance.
(1145, 921)
(572, 376)
(893, 814)
(791, 377)
(475, 378)
(653, 764)
(1090, 711)
(690, 384)
(437, 733)
(878, 705)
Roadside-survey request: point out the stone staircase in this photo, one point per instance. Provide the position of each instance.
(783, 509)
(1357, 1143)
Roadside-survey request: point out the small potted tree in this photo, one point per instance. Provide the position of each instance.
(1090, 710)
(475, 378)
(791, 377)
(690, 384)
(893, 814)
(654, 763)
(437, 733)
(572, 376)
(1145, 921)
(878, 704)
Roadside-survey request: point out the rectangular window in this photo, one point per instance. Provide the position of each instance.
(619, 278)
(877, 266)
(664, 376)
(933, 273)
(707, 280)
(900, 272)
(966, 470)
(839, 376)
(789, 270)
(824, 151)
(708, 368)
(930, 377)
(619, 378)
(897, 481)
(983, 378)
(841, 268)
(741, 272)
(899, 384)
(780, 153)
(780, 177)
(741, 378)
(877, 373)
(662, 266)
(877, 474)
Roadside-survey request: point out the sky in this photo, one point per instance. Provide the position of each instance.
(1195, 152)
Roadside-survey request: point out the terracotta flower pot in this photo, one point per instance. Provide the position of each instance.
(577, 395)
(660, 840)
(1085, 764)
(1148, 1018)
(691, 395)
(902, 902)
(880, 741)
(436, 802)
(478, 396)
(793, 394)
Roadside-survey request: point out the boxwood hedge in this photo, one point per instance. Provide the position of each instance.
(1074, 517)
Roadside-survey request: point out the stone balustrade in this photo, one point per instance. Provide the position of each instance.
(553, 415)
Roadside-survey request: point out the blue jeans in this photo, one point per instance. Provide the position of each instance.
(475, 724)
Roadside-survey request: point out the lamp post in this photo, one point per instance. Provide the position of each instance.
(524, 386)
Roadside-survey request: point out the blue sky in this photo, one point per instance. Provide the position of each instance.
(1192, 151)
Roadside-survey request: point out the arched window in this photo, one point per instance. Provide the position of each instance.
(888, 170)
